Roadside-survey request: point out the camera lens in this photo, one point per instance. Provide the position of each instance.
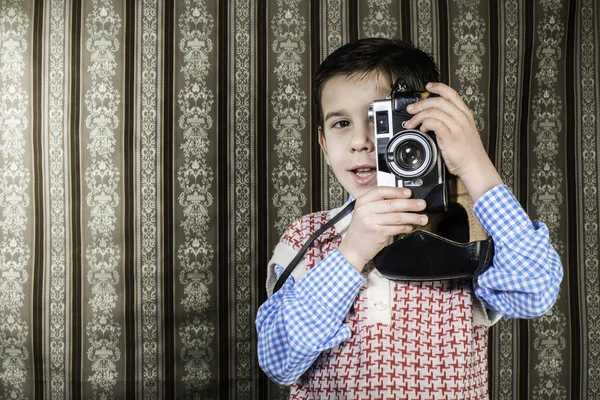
(410, 155)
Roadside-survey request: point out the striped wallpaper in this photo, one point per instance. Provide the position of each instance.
(152, 152)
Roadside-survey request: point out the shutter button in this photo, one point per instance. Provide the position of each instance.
(381, 305)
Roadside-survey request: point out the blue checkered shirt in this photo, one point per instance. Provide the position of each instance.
(306, 317)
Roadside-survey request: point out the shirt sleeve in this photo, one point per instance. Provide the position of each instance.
(305, 318)
(524, 278)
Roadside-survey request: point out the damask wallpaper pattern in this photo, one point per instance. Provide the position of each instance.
(151, 153)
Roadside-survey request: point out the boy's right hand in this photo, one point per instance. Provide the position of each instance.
(379, 214)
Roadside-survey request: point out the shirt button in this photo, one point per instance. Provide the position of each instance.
(381, 305)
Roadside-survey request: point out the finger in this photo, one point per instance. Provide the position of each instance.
(397, 205)
(447, 92)
(399, 218)
(394, 230)
(437, 103)
(442, 132)
(438, 114)
(383, 193)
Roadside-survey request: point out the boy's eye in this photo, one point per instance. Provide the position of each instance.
(341, 124)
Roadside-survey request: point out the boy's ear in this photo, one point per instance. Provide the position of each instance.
(323, 144)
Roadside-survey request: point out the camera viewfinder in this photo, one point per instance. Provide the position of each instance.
(382, 122)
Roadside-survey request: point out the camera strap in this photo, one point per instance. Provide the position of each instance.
(425, 256)
(290, 268)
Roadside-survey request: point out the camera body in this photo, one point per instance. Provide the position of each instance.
(408, 157)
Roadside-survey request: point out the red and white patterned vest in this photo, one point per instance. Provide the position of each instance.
(410, 340)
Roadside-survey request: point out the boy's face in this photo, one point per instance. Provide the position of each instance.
(347, 136)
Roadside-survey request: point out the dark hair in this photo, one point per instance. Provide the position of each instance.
(393, 58)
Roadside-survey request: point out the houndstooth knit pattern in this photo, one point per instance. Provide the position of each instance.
(430, 350)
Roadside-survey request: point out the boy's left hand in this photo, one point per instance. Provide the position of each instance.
(457, 137)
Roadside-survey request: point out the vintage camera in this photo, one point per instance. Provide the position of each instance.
(408, 157)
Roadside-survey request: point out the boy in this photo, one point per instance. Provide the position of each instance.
(337, 329)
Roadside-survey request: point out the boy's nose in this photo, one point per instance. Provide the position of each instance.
(362, 140)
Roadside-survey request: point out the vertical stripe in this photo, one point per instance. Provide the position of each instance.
(405, 21)
(353, 20)
(253, 207)
(138, 167)
(572, 267)
(333, 35)
(67, 205)
(582, 29)
(503, 337)
(316, 157)
(469, 30)
(492, 94)
(168, 203)
(424, 25)
(435, 31)
(324, 26)
(241, 200)
(197, 201)
(509, 90)
(593, 262)
(548, 333)
(47, 195)
(325, 36)
(253, 220)
(9, 82)
(261, 144)
(444, 46)
(129, 253)
(586, 155)
(224, 391)
(289, 114)
(596, 56)
(521, 360)
(228, 376)
(21, 198)
(344, 21)
(523, 177)
(76, 208)
(419, 22)
(148, 199)
(102, 176)
(157, 226)
(234, 86)
(57, 195)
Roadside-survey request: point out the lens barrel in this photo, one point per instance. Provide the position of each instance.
(411, 154)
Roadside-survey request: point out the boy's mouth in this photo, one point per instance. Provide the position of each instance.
(364, 174)
(363, 171)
